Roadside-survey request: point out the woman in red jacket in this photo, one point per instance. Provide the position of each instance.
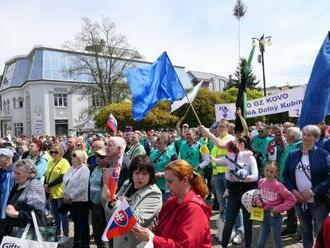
(184, 219)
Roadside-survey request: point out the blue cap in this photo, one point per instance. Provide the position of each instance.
(5, 152)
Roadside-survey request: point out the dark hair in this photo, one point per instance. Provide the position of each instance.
(39, 144)
(232, 147)
(246, 141)
(142, 163)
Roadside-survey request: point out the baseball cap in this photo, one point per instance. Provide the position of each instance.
(5, 152)
(102, 152)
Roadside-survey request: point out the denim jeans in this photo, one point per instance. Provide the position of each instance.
(272, 223)
(61, 220)
(219, 186)
(234, 205)
(311, 216)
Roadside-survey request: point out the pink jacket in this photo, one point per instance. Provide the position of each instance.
(275, 196)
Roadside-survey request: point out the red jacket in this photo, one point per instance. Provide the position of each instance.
(184, 225)
(323, 239)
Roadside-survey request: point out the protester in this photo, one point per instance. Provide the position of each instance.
(56, 168)
(242, 176)
(28, 194)
(165, 154)
(7, 180)
(37, 155)
(75, 189)
(70, 147)
(184, 219)
(92, 159)
(143, 196)
(274, 199)
(307, 176)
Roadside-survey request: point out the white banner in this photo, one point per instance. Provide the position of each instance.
(283, 101)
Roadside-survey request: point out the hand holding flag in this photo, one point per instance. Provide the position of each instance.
(121, 221)
(112, 123)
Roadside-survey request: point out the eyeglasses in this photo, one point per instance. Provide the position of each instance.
(53, 152)
(73, 155)
(222, 126)
(100, 157)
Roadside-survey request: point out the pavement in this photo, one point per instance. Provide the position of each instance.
(287, 241)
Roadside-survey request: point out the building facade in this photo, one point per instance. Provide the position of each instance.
(211, 81)
(38, 93)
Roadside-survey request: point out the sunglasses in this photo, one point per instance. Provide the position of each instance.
(100, 157)
(73, 155)
(53, 152)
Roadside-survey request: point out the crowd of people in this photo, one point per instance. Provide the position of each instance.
(172, 180)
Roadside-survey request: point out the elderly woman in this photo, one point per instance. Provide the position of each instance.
(75, 183)
(28, 194)
(307, 176)
(56, 168)
(184, 219)
(143, 196)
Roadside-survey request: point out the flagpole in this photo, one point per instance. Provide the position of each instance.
(191, 105)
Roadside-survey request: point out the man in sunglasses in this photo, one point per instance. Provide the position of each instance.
(92, 159)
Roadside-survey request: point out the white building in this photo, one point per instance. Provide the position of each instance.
(37, 96)
(211, 81)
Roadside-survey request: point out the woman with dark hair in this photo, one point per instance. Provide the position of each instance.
(184, 219)
(36, 153)
(143, 196)
(241, 176)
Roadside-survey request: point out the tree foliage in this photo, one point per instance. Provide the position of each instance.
(251, 78)
(239, 9)
(104, 55)
(159, 117)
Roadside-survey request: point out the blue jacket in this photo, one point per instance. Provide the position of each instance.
(7, 181)
(319, 160)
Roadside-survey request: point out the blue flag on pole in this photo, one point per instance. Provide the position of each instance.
(153, 83)
(316, 103)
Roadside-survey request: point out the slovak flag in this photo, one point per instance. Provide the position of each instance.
(112, 123)
(121, 221)
(111, 177)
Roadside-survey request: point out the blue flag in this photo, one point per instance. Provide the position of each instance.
(153, 83)
(316, 103)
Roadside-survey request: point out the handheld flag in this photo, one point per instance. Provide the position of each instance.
(153, 83)
(121, 221)
(316, 103)
(241, 100)
(112, 123)
(191, 95)
(111, 177)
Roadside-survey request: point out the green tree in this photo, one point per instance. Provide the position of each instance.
(159, 117)
(251, 78)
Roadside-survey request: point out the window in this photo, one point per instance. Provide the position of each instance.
(14, 103)
(8, 106)
(20, 102)
(18, 129)
(60, 99)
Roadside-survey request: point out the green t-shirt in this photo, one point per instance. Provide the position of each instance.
(287, 149)
(192, 155)
(260, 145)
(160, 161)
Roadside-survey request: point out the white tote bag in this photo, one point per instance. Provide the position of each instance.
(8, 241)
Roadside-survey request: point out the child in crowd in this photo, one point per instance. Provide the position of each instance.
(274, 199)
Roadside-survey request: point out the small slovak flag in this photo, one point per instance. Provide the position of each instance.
(112, 123)
(121, 221)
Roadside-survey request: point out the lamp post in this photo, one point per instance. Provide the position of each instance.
(262, 42)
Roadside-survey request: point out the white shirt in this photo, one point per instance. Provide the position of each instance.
(75, 183)
(302, 181)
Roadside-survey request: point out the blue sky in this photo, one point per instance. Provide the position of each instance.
(198, 34)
